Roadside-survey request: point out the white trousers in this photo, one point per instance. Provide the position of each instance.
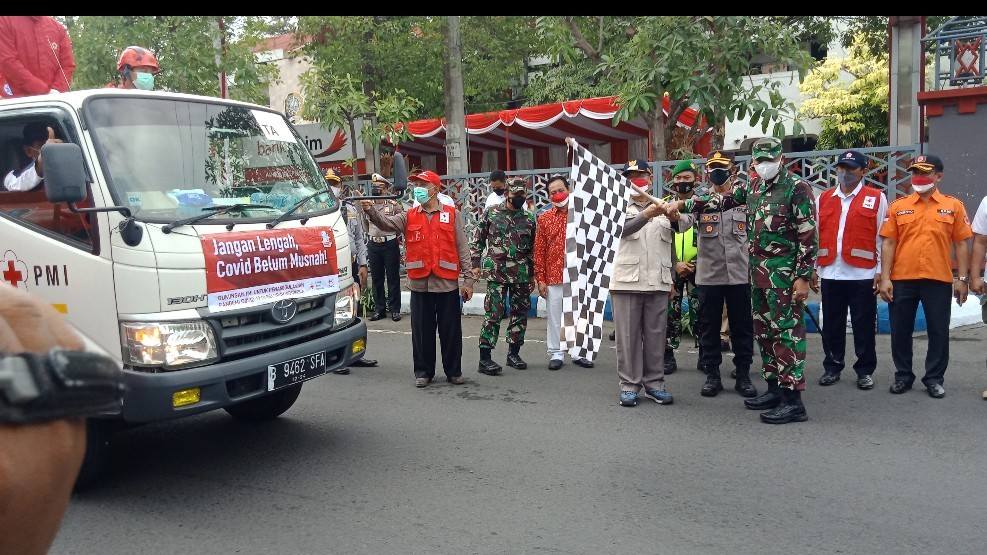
(554, 321)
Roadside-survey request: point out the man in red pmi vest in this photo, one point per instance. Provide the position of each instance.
(437, 256)
(849, 265)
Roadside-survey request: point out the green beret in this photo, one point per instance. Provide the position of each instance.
(685, 166)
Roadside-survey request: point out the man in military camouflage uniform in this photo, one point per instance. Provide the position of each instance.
(683, 177)
(781, 216)
(358, 246)
(503, 253)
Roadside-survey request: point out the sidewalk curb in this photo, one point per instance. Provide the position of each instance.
(964, 315)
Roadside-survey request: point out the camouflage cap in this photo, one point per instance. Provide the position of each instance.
(685, 166)
(766, 148)
(517, 185)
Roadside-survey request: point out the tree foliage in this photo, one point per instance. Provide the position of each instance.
(185, 47)
(850, 96)
(694, 61)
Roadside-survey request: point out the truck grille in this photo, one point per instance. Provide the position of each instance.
(243, 333)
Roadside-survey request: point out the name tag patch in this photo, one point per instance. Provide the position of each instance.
(869, 202)
(444, 217)
(946, 212)
(904, 212)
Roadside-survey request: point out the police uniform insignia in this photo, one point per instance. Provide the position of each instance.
(444, 217)
(387, 210)
(709, 218)
(869, 202)
(741, 226)
(709, 229)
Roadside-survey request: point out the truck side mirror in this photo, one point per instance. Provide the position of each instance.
(65, 172)
(400, 179)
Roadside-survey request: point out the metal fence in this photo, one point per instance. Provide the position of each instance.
(886, 171)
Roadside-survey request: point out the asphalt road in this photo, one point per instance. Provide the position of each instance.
(536, 461)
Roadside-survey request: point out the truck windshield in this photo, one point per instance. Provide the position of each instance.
(169, 159)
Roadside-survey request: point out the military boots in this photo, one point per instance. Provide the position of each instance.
(768, 400)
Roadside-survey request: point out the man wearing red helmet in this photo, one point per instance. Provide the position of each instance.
(137, 67)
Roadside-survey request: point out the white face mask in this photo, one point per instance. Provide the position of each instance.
(922, 188)
(768, 169)
(335, 191)
(561, 204)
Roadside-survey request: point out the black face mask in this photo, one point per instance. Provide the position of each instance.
(376, 191)
(683, 187)
(518, 202)
(719, 176)
(500, 192)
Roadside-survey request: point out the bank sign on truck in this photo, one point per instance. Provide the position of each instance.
(191, 239)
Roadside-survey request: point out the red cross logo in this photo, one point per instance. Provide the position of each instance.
(12, 275)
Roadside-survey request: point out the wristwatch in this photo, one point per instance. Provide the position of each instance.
(965, 279)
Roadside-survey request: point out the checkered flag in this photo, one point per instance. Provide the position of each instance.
(597, 206)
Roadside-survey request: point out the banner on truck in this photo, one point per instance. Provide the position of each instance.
(251, 268)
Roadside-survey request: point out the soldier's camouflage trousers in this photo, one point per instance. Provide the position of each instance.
(678, 321)
(494, 306)
(780, 334)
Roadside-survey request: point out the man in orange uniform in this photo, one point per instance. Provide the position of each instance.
(919, 234)
(437, 256)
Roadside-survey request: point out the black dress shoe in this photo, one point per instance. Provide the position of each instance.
(584, 362)
(376, 316)
(712, 386)
(865, 382)
(936, 391)
(364, 363)
(555, 364)
(829, 378)
(613, 335)
(514, 361)
(396, 317)
(744, 386)
(341, 371)
(900, 386)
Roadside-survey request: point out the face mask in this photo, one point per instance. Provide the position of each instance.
(144, 81)
(849, 179)
(377, 191)
(518, 202)
(560, 199)
(500, 192)
(922, 184)
(421, 194)
(683, 187)
(768, 170)
(335, 191)
(642, 182)
(719, 176)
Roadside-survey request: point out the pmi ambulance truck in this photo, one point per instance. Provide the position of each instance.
(190, 238)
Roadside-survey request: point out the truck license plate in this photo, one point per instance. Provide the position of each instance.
(296, 370)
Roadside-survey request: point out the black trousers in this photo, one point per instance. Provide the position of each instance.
(937, 303)
(431, 311)
(857, 297)
(741, 319)
(385, 258)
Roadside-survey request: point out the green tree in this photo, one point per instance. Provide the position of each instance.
(696, 61)
(186, 49)
(850, 96)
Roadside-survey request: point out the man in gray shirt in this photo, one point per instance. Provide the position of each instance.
(722, 274)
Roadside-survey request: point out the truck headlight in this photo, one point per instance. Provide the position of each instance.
(170, 344)
(346, 307)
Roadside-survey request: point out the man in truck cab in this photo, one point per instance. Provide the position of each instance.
(31, 174)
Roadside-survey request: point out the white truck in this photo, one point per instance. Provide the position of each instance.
(190, 238)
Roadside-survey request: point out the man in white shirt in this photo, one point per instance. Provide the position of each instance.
(849, 264)
(979, 251)
(498, 189)
(31, 173)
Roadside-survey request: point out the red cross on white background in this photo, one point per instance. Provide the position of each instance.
(12, 275)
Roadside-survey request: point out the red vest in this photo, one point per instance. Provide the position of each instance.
(859, 247)
(430, 247)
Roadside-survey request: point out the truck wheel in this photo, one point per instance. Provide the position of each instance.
(98, 447)
(267, 407)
